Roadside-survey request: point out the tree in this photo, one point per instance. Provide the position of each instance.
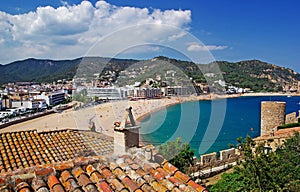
(177, 153)
(260, 171)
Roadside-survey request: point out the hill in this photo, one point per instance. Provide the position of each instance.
(253, 74)
(45, 70)
(38, 70)
(258, 75)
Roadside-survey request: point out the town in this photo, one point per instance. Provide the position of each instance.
(22, 99)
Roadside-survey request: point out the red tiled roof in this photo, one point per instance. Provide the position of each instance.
(99, 174)
(49, 161)
(281, 133)
(29, 148)
(286, 132)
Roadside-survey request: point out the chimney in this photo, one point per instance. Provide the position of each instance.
(126, 134)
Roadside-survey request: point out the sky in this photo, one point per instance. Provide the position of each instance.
(230, 30)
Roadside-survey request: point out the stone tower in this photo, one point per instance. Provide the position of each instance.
(272, 116)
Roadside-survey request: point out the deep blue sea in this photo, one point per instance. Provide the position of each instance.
(210, 125)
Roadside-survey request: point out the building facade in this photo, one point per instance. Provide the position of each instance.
(111, 93)
(52, 98)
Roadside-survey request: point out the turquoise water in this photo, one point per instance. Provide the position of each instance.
(210, 125)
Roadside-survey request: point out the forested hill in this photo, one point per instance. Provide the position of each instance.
(258, 75)
(45, 70)
(38, 70)
(254, 74)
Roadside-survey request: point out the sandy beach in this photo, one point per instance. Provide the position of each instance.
(104, 115)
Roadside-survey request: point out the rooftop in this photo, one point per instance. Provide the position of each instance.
(281, 133)
(30, 148)
(71, 160)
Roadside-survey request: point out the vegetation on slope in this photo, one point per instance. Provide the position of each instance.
(273, 171)
(177, 153)
(37, 70)
(253, 74)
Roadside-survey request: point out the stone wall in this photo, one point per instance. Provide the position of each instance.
(119, 142)
(291, 118)
(227, 154)
(125, 139)
(208, 158)
(272, 116)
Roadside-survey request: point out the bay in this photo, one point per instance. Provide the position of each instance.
(210, 126)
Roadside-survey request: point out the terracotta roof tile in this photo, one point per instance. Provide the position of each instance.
(58, 188)
(170, 168)
(104, 187)
(116, 184)
(167, 183)
(175, 181)
(131, 172)
(129, 184)
(158, 187)
(146, 187)
(38, 184)
(77, 171)
(148, 178)
(176, 190)
(156, 174)
(44, 171)
(186, 188)
(52, 181)
(140, 181)
(22, 187)
(107, 173)
(29, 148)
(182, 176)
(196, 186)
(71, 185)
(96, 177)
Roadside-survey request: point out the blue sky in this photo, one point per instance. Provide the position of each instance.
(232, 30)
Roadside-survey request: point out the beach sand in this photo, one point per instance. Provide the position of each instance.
(103, 115)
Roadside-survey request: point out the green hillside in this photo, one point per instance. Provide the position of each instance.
(253, 74)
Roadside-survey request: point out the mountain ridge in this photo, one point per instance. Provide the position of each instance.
(254, 74)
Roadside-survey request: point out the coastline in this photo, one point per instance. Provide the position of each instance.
(180, 100)
(104, 115)
(270, 94)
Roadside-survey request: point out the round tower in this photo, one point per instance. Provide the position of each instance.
(272, 116)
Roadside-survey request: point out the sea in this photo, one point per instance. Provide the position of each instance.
(210, 126)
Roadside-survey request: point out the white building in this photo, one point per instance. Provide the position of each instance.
(111, 93)
(30, 104)
(177, 91)
(144, 92)
(53, 98)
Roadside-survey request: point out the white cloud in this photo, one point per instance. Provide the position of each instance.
(47, 31)
(198, 47)
(176, 36)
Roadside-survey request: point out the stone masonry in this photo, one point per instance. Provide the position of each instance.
(272, 116)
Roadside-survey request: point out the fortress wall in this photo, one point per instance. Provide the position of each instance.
(272, 116)
(207, 158)
(291, 118)
(227, 154)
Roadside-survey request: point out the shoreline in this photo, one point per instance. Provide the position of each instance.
(209, 97)
(104, 115)
(140, 118)
(270, 94)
